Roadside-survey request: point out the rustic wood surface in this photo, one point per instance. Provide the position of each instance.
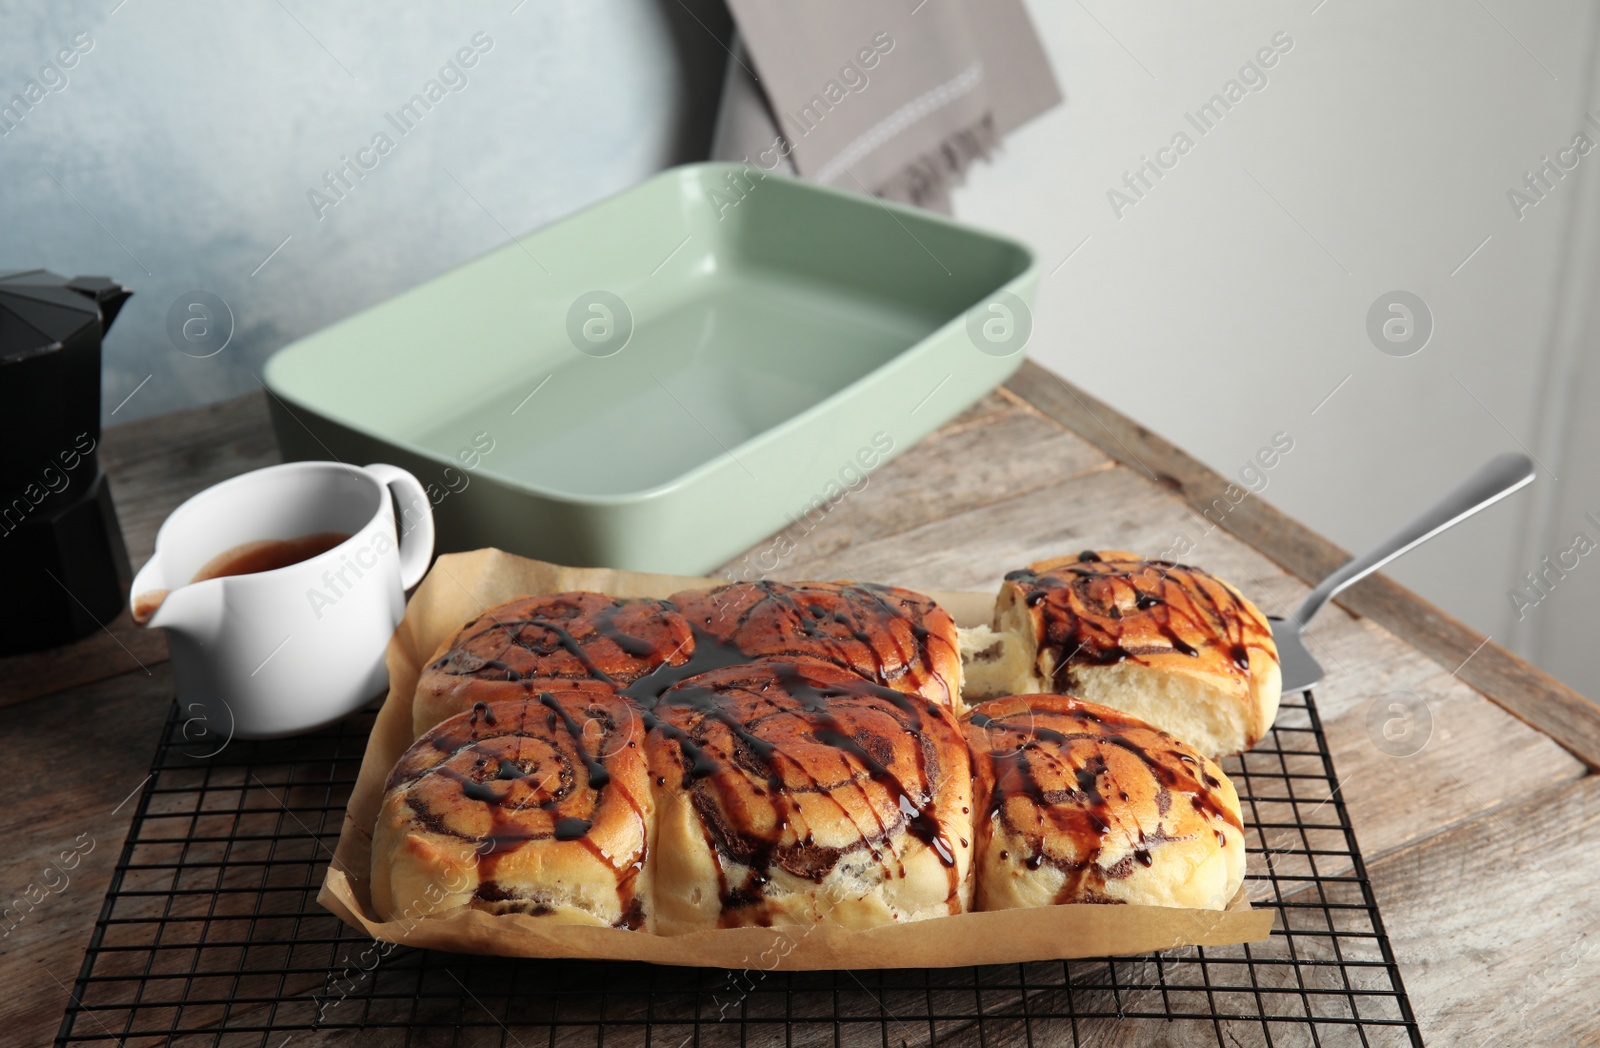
(1481, 847)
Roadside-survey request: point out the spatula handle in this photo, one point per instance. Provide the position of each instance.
(1502, 475)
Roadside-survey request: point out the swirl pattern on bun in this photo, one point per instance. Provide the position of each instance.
(1170, 644)
(539, 806)
(1078, 803)
(892, 636)
(796, 793)
(579, 639)
(640, 648)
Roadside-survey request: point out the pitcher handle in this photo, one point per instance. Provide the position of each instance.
(416, 535)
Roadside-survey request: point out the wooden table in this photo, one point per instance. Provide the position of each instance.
(1482, 848)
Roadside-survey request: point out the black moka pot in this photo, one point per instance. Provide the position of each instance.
(63, 566)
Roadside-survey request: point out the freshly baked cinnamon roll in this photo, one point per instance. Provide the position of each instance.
(582, 639)
(1168, 643)
(539, 805)
(796, 793)
(1080, 803)
(641, 648)
(889, 635)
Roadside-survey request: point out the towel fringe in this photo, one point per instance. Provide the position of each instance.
(926, 180)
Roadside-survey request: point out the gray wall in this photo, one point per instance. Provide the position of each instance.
(178, 154)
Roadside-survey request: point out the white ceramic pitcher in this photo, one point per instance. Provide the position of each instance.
(289, 649)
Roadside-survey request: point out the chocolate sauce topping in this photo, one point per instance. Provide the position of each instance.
(569, 636)
(1063, 780)
(752, 741)
(509, 773)
(889, 635)
(1105, 608)
(641, 648)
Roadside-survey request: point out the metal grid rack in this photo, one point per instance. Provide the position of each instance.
(211, 934)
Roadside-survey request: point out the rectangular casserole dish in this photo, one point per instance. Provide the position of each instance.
(660, 380)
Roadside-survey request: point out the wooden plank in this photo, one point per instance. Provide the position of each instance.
(154, 465)
(1497, 923)
(70, 766)
(1366, 664)
(1528, 692)
(157, 463)
(973, 461)
(121, 647)
(61, 800)
(989, 405)
(1105, 508)
(1492, 924)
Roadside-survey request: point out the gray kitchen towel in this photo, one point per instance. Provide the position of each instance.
(893, 99)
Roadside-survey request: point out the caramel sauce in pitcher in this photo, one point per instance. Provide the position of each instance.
(247, 558)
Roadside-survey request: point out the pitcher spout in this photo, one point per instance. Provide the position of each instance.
(193, 609)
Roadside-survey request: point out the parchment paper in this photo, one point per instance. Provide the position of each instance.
(463, 584)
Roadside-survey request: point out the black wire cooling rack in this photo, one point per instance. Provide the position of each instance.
(211, 934)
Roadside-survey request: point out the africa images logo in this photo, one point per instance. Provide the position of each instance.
(1251, 79)
(344, 176)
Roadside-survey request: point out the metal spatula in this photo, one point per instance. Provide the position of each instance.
(1500, 477)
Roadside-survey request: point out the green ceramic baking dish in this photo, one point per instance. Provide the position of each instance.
(660, 380)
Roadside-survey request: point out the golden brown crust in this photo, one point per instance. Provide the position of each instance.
(539, 805)
(642, 647)
(1080, 803)
(581, 639)
(777, 754)
(1099, 607)
(797, 792)
(1108, 607)
(895, 637)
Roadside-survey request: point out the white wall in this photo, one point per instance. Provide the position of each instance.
(1229, 301)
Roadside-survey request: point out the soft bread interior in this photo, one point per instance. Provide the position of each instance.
(424, 879)
(861, 891)
(996, 663)
(1210, 719)
(1192, 875)
(1004, 659)
(1005, 662)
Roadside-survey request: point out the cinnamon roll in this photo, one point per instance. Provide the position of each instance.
(1168, 643)
(889, 635)
(580, 639)
(1080, 803)
(539, 805)
(796, 793)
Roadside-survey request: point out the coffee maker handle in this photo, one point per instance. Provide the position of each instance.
(413, 522)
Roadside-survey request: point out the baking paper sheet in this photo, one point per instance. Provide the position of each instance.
(463, 584)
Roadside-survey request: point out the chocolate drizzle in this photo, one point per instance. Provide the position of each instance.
(762, 749)
(568, 636)
(892, 636)
(1105, 608)
(810, 729)
(706, 654)
(1056, 763)
(641, 648)
(508, 774)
